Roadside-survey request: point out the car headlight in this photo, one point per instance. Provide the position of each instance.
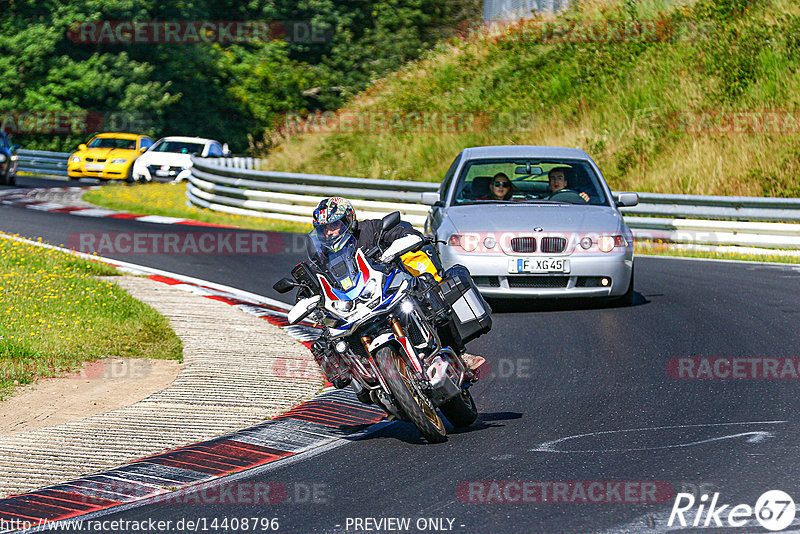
(75, 159)
(586, 243)
(467, 242)
(119, 160)
(489, 242)
(606, 243)
(2, 158)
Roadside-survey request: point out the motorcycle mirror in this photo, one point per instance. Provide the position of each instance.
(390, 221)
(284, 285)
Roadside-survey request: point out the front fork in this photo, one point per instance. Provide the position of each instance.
(442, 374)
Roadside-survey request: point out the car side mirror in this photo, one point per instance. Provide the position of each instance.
(390, 221)
(143, 149)
(627, 200)
(226, 151)
(284, 285)
(431, 198)
(14, 148)
(82, 146)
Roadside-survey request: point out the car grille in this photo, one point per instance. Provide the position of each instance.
(486, 281)
(172, 170)
(98, 160)
(553, 245)
(523, 244)
(537, 281)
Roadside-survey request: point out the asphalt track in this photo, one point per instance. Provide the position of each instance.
(558, 370)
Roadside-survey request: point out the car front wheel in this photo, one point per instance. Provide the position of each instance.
(627, 298)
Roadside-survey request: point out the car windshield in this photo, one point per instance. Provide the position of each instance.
(178, 147)
(113, 142)
(529, 180)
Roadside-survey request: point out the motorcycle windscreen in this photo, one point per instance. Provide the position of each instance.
(338, 259)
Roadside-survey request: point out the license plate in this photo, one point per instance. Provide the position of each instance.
(161, 172)
(538, 265)
(94, 166)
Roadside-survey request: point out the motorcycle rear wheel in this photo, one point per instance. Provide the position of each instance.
(460, 410)
(414, 403)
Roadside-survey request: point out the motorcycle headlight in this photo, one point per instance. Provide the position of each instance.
(406, 306)
(119, 160)
(75, 159)
(370, 290)
(343, 305)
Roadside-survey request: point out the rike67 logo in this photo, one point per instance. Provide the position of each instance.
(774, 510)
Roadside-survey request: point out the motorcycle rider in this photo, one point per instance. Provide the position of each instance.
(335, 221)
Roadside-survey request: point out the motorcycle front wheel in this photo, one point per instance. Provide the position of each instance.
(414, 403)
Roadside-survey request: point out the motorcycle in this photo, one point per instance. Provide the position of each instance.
(396, 338)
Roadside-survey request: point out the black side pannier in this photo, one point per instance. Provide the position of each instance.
(471, 314)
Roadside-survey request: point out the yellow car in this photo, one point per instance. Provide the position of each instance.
(108, 156)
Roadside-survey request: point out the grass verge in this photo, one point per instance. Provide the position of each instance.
(170, 200)
(55, 314)
(665, 249)
(705, 106)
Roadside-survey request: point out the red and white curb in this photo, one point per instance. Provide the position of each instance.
(330, 416)
(21, 198)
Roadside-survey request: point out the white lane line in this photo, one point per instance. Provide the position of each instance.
(755, 437)
(160, 219)
(94, 212)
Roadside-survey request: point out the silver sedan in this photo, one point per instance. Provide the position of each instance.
(533, 221)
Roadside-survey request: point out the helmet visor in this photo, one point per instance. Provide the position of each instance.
(332, 235)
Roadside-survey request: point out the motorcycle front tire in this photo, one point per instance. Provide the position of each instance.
(417, 407)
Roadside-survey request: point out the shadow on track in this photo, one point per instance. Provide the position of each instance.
(560, 304)
(407, 433)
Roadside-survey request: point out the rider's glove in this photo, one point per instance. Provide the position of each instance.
(399, 245)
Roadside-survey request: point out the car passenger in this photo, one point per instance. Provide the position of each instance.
(558, 182)
(500, 189)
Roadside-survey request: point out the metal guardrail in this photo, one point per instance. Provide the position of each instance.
(695, 219)
(293, 196)
(232, 185)
(717, 207)
(43, 162)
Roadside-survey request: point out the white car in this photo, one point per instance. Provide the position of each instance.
(170, 158)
